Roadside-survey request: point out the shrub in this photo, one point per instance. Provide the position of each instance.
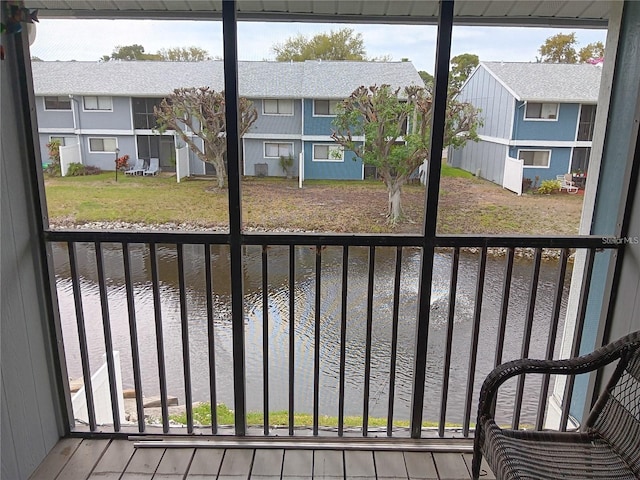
(53, 149)
(75, 170)
(53, 169)
(286, 162)
(549, 186)
(122, 163)
(78, 170)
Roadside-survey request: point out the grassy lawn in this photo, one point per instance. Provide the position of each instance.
(467, 205)
(225, 416)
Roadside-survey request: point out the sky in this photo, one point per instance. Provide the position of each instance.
(89, 40)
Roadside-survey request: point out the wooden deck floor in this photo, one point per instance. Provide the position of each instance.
(77, 459)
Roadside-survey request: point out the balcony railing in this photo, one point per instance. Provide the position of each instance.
(329, 327)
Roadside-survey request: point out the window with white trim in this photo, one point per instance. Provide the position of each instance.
(277, 106)
(541, 111)
(328, 153)
(63, 102)
(60, 140)
(68, 140)
(325, 107)
(535, 158)
(98, 103)
(277, 150)
(102, 144)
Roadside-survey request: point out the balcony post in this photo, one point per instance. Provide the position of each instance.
(230, 41)
(443, 52)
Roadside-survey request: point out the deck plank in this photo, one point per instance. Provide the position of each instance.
(143, 464)
(267, 464)
(56, 459)
(174, 464)
(390, 465)
(297, 464)
(236, 464)
(205, 464)
(114, 460)
(84, 459)
(484, 466)
(420, 466)
(451, 466)
(328, 464)
(359, 464)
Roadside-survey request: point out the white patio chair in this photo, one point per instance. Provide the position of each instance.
(137, 169)
(154, 167)
(567, 183)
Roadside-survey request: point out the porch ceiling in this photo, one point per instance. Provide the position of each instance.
(578, 13)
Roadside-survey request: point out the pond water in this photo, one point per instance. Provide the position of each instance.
(330, 301)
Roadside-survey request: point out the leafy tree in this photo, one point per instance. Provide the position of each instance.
(461, 67)
(129, 53)
(53, 149)
(559, 48)
(343, 44)
(184, 54)
(427, 78)
(201, 111)
(381, 115)
(591, 50)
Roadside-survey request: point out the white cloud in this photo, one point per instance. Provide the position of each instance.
(91, 39)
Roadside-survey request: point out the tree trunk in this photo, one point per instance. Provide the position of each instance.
(218, 162)
(395, 201)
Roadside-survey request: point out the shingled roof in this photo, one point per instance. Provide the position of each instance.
(553, 82)
(310, 79)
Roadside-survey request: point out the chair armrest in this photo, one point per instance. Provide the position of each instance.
(571, 366)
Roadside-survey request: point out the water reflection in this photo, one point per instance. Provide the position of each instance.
(279, 328)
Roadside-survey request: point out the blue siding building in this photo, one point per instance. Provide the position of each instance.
(539, 113)
(101, 107)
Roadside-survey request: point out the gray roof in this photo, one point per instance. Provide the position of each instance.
(557, 82)
(310, 79)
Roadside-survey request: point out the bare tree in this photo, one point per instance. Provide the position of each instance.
(199, 113)
(397, 132)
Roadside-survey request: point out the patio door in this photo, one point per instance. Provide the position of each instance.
(158, 146)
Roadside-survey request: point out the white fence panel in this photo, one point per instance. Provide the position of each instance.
(101, 397)
(69, 154)
(512, 178)
(182, 163)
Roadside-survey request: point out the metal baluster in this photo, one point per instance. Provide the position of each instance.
(474, 341)
(394, 340)
(504, 307)
(316, 343)
(157, 311)
(82, 337)
(184, 325)
(108, 341)
(265, 340)
(455, 261)
(367, 354)
(526, 336)
(577, 335)
(211, 341)
(292, 335)
(551, 338)
(133, 332)
(343, 338)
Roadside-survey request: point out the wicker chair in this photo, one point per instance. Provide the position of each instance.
(607, 445)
